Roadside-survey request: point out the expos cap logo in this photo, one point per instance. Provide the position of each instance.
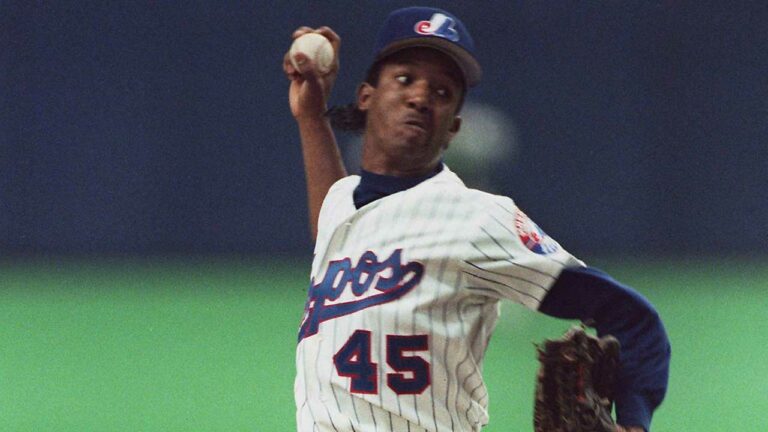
(439, 25)
(533, 237)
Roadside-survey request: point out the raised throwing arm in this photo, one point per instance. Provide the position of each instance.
(308, 95)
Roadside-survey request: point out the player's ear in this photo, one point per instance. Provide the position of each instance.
(364, 92)
(455, 127)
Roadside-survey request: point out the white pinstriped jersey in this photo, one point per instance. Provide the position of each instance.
(403, 298)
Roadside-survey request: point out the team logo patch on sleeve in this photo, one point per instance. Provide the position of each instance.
(533, 237)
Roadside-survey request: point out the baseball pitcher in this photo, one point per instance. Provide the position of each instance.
(410, 265)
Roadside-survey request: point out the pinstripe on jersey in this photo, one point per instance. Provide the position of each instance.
(412, 361)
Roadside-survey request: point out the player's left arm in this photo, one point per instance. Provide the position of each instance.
(592, 296)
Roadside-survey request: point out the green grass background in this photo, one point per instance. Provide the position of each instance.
(208, 345)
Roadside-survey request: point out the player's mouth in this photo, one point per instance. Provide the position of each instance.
(416, 123)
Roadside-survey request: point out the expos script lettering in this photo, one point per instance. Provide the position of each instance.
(372, 282)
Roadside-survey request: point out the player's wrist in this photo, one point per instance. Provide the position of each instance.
(312, 119)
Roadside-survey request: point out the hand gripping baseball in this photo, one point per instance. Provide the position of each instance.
(309, 88)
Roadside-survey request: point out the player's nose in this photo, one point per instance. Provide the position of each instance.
(419, 96)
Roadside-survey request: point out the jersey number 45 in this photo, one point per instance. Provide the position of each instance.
(411, 373)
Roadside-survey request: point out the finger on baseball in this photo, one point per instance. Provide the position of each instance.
(305, 66)
(303, 70)
(301, 30)
(288, 68)
(335, 40)
(330, 35)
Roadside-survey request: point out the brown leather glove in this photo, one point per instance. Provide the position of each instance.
(574, 386)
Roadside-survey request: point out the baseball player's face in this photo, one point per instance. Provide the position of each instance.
(411, 112)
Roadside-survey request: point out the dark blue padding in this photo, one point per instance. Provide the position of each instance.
(374, 186)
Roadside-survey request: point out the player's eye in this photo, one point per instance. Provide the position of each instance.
(403, 79)
(443, 92)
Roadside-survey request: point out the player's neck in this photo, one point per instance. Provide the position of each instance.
(390, 168)
(396, 161)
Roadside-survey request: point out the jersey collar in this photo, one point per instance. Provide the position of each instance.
(375, 186)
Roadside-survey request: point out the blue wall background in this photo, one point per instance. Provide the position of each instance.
(151, 127)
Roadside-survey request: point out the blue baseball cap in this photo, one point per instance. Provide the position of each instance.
(432, 28)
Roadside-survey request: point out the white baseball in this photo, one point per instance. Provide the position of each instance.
(317, 48)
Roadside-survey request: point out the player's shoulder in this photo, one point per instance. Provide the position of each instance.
(339, 195)
(490, 202)
(344, 185)
(338, 203)
(448, 186)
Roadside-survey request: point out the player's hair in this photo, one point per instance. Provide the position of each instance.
(349, 118)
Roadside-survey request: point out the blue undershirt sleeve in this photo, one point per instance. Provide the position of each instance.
(590, 295)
